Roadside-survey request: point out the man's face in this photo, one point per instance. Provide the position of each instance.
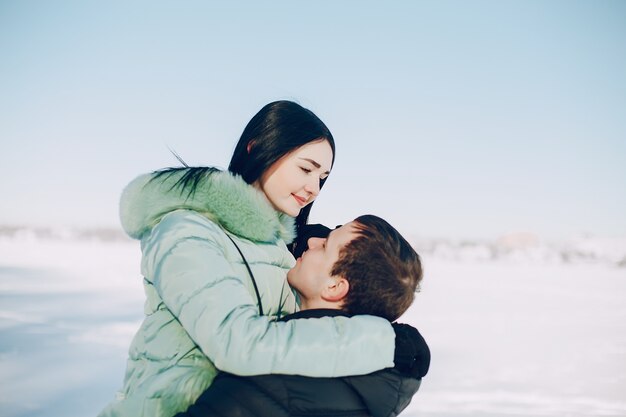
(313, 269)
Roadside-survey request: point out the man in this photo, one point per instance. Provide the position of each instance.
(363, 267)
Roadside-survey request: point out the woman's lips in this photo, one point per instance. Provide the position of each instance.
(300, 200)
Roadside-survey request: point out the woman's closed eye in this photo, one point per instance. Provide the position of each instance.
(309, 170)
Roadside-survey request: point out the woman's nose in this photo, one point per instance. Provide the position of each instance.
(313, 186)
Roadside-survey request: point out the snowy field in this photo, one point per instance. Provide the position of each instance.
(509, 337)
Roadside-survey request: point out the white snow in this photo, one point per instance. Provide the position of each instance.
(511, 339)
(521, 330)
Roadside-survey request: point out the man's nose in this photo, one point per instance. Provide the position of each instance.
(315, 242)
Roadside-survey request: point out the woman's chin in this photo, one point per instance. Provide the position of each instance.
(291, 211)
(293, 214)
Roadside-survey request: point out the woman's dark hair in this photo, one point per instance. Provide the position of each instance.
(276, 130)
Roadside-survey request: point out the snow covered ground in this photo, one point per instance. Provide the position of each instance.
(515, 332)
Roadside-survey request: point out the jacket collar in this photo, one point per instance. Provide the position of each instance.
(222, 197)
(315, 313)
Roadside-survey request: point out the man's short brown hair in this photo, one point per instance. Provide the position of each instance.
(382, 268)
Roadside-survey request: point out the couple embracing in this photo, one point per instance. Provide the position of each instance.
(250, 311)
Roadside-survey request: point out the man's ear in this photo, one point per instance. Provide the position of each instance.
(336, 289)
(250, 145)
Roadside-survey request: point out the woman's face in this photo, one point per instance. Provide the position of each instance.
(293, 181)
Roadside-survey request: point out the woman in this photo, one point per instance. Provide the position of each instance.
(215, 262)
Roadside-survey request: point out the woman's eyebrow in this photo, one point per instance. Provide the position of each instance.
(315, 164)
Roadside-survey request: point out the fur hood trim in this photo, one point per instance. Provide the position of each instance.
(221, 197)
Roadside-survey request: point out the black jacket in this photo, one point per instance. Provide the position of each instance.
(380, 394)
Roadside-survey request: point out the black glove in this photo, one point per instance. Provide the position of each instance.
(304, 234)
(412, 356)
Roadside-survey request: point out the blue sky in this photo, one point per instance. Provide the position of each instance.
(459, 119)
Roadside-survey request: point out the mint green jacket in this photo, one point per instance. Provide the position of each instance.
(201, 309)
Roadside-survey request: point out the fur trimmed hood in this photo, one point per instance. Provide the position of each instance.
(222, 197)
